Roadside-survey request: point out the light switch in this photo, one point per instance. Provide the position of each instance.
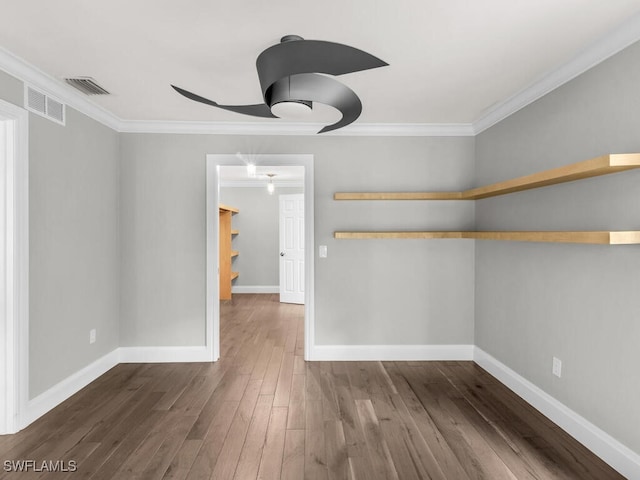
(322, 251)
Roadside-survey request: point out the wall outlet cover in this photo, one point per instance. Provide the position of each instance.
(556, 369)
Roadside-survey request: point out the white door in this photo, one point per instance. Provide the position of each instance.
(292, 248)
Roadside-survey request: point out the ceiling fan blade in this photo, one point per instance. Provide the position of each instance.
(259, 110)
(311, 56)
(322, 89)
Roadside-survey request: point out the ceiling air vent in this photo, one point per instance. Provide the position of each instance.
(86, 85)
(37, 101)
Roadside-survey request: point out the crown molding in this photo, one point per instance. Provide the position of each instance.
(31, 75)
(595, 53)
(289, 128)
(407, 130)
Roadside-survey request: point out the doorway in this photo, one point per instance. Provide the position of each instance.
(214, 164)
(14, 265)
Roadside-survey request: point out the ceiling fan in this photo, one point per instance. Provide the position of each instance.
(291, 79)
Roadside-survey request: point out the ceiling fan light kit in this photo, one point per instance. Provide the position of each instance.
(293, 75)
(270, 185)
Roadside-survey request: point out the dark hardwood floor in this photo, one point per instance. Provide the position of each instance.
(262, 412)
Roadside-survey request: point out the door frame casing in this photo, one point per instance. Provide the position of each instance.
(213, 164)
(14, 317)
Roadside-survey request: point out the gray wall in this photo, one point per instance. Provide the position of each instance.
(73, 229)
(367, 292)
(11, 89)
(259, 239)
(580, 303)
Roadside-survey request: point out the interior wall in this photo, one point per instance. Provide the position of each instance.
(367, 292)
(579, 303)
(73, 246)
(259, 239)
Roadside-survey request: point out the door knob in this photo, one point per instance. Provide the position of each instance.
(282, 254)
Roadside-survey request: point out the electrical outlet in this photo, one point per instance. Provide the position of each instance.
(92, 335)
(556, 369)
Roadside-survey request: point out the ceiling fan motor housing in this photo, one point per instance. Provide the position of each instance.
(280, 91)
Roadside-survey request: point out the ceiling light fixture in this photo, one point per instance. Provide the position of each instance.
(292, 109)
(270, 186)
(251, 169)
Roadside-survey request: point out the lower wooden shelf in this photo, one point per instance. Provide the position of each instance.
(395, 235)
(592, 237)
(234, 275)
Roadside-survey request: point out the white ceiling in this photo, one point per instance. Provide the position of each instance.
(450, 60)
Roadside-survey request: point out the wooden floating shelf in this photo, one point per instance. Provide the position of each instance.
(398, 196)
(594, 167)
(235, 232)
(395, 235)
(591, 237)
(234, 275)
(235, 253)
(227, 208)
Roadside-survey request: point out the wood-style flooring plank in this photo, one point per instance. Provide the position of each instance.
(273, 452)
(355, 442)
(230, 453)
(293, 456)
(182, 461)
(160, 462)
(377, 446)
(283, 385)
(336, 450)
(249, 461)
(270, 380)
(297, 406)
(205, 460)
(315, 463)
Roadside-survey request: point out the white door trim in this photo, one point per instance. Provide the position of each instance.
(213, 162)
(14, 297)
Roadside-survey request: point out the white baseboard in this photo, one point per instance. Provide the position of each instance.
(164, 354)
(391, 352)
(620, 457)
(57, 394)
(255, 289)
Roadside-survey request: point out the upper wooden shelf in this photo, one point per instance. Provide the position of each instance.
(395, 235)
(235, 253)
(592, 237)
(235, 232)
(227, 208)
(588, 168)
